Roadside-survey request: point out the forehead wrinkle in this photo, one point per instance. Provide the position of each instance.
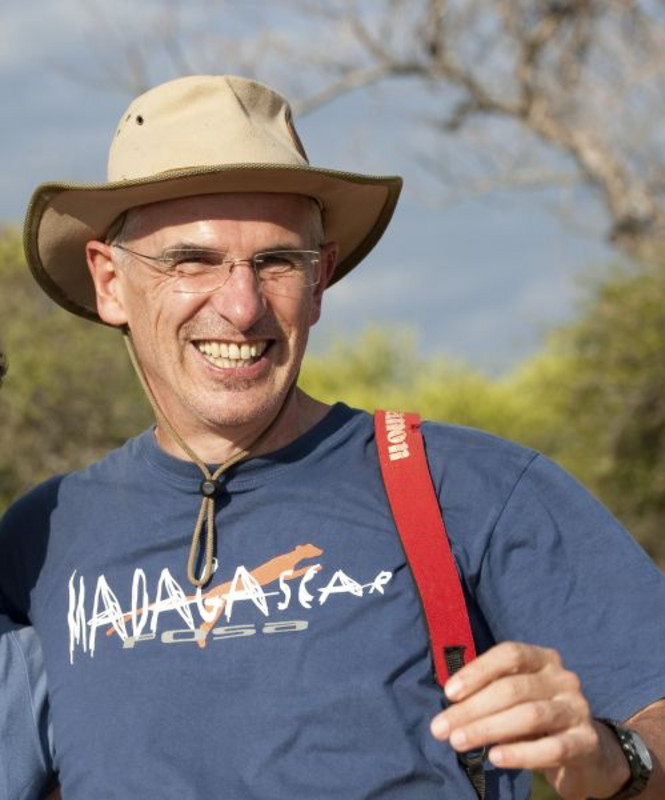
(240, 239)
(294, 213)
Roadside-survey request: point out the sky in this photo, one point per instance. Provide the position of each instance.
(480, 281)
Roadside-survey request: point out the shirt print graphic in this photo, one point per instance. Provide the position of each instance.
(271, 587)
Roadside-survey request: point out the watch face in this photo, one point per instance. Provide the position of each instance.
(642, 751)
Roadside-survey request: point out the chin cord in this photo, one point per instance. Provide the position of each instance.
(209, 485)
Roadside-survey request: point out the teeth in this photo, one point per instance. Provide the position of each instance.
(230, 355)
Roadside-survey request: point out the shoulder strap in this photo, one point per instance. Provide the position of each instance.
(420, 524)
(418, 518)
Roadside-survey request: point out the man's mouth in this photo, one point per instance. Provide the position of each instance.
(231, 355)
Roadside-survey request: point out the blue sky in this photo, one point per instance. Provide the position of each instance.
(479, 281)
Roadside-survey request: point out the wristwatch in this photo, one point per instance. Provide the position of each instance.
(638, 758)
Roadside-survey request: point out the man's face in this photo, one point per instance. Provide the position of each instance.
(228, 358)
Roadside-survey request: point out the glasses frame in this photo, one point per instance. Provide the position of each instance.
(162, 265)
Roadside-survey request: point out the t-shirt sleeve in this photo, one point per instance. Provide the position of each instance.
(24, 540)
(25, 749)
(561, 572)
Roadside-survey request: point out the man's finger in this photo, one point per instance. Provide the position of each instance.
(502, 694)
(522, 722)
(549, 752)
(507, 658)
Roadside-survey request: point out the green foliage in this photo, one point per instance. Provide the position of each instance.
(611, 398)
(70, 394)
(364, 373)
(377, 371)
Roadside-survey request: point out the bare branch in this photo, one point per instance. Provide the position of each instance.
(435, 28)
(354, 79)
(583, 78)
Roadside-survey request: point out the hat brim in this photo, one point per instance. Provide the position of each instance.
(62, 218)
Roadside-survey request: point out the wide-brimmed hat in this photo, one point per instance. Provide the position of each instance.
(193, 136)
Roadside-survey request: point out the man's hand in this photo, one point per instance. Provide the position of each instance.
(520, 702)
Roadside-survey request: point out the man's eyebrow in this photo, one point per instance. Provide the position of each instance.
(281, 246)
(188, 246)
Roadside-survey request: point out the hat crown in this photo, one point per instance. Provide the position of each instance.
(195, 136)
(203, 121)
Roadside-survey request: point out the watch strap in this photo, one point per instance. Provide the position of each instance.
(640, 769)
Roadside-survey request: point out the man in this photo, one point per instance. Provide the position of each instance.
(25, 764)
(224, 603)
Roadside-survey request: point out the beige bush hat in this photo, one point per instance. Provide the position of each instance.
(192, 136)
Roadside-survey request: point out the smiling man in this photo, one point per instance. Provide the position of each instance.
(221, 315)
(224, 603)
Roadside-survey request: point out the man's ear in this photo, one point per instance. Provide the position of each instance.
(329, 253)
(104, 273)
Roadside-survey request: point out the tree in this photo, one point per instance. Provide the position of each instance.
(610, 397)
(378, 370)
(517, 92)
(69, 395)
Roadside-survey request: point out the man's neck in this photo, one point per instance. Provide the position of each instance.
(217, 446)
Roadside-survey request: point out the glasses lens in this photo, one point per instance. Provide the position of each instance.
(288, 272)
(281, 272)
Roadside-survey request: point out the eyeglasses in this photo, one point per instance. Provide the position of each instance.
(196, 270)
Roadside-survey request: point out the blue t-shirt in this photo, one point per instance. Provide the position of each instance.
(302, 670)
(25, 762)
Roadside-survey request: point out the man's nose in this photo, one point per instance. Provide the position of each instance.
(240, 299)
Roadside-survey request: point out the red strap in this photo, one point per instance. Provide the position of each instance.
(418, 519)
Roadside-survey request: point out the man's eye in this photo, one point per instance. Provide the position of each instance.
(191, 259)
(277, 262)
